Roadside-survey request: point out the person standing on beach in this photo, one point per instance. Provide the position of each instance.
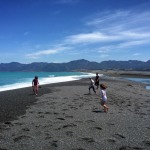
(97, 80)
(91, 85)
(35, 85)
(103, 97)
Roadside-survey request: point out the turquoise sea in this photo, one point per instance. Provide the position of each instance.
(16, 80)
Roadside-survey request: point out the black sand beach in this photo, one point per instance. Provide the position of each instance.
(64, 116)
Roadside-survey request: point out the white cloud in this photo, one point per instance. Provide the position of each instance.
(93, 37)
(121, 28)
(107, 16)
(104, 55)
(134, 35)
(122, 46)
(105, 49)
(45, 52)
(109, 31)
(136, 54)
(133, 43)
(124, 20)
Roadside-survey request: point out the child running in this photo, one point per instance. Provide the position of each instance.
(103, 97)
(35, 85)
(91, 85)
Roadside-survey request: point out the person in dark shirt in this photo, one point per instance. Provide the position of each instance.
(35, 85)
(97, 80)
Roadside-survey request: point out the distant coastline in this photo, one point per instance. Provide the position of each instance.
(81, 64)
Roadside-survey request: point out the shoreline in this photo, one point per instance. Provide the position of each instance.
(65, 116)
(12, 108)
(121, 73)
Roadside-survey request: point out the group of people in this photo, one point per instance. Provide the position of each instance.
(35, 86)
(102, 91)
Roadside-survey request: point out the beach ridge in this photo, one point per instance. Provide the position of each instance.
(65, 116)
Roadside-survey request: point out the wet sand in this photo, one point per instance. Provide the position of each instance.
(65, 117)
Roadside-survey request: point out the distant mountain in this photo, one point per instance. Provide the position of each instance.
(76, 65)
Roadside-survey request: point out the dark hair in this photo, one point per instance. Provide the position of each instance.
(36, 77)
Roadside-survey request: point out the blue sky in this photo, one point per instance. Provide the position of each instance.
(64, 30)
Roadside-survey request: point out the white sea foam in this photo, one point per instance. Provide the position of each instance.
(51, 75)
(43, 81)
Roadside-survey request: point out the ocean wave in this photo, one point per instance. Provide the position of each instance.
(51, 75)
(45, 80)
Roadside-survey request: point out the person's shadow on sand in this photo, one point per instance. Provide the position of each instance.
(31, 94)
(97, 111)
(87, 94)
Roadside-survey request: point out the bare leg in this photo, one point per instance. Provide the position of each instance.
(105, 107)
(36, 90)
(89, 90)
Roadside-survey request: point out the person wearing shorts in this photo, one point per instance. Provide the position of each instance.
(35, 85)
(103, 97)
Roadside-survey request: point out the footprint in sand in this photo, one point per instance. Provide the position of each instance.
(111, 140)
(118, 136)
(78, 149)
(110, 124)
(130, 148)
(55, 113)
(40, 116)
(78, 121)
(81, 105)
(89, 140)
(60, 118)
(26, 129)
(18, 123)
(65, 109)
(69, 116)
(8, 123)
(21, 138)
(147, 143)
(69, 125)
(40, 112)
(72, 107)
(90, 121)
(31, 112)
(69, 133)
(47, 112)
(54, 144)
(48, 137)
(98, 128)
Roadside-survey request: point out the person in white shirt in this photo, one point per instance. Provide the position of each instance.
(92, 85)
(103, 97)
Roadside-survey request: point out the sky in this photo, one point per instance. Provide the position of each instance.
(64, 30)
